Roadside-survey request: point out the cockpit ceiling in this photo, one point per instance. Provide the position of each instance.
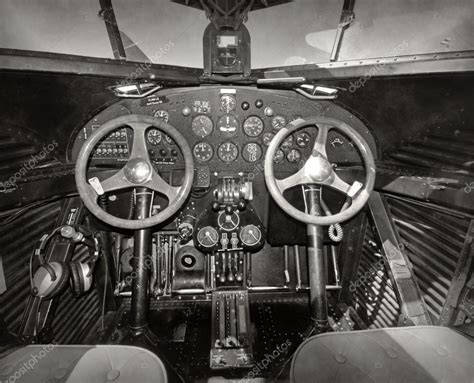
(259, 4)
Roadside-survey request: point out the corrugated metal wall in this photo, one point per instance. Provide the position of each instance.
(16, 152)
(17, 240)
(374, 298)
(433, 241)
(73, 317)
(449, 150)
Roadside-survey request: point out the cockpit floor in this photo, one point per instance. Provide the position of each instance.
(183, 331)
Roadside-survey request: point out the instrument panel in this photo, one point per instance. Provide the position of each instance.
(228, 129)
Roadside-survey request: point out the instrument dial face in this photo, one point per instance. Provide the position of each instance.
(228, 222)
(253, 126)
(278, 122)
(279, 156)
(267, 138)
(202, 125)
(153, 136)
(228, 103)
(250, 235)
(203, 151)
(302, 139)
(169, 140)
(287, 143)
(228, 125)
(208, 236)
(252, 152)
(228, 152)
(162, 115)
(293, 156)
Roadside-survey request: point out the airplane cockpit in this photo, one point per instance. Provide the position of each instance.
(177, 213)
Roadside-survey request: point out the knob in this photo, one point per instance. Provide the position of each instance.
(163, 152)
(174, 153)
(186, 111)
(241, 205)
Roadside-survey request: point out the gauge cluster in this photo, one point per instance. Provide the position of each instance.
(228, 129)
(239, 133)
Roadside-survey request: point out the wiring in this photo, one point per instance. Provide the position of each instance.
(13, 215)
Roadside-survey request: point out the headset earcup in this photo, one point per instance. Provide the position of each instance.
(61, 281)
(77, 282)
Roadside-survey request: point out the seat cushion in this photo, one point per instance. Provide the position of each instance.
(78, 364)
(395, 355)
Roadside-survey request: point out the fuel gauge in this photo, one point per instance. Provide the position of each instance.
(250, 235)
(207, 236)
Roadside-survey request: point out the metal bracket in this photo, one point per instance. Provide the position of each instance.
(412, 304)
(108, 15)
(3, 282)
(347, 17)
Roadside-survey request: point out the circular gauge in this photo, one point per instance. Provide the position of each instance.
(228, 152)
(153, 136)
(253, 126)
(293, 156)
(228, 125)
(228, 103)
(169, 140)
(250, 235)
(162, 115)
(228, 222)
(267, 138)
(287, 143)
(252, 152)
(202, 125)
(278, 122)
(203, 151)
(279, 156)
(302, 139)
(207, 236)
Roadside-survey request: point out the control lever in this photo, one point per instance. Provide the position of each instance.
(222, 278)
(230, 277)
(239, 275)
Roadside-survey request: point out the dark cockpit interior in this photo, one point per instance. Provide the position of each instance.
(230, 223)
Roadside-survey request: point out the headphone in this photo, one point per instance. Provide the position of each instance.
(50, 278)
